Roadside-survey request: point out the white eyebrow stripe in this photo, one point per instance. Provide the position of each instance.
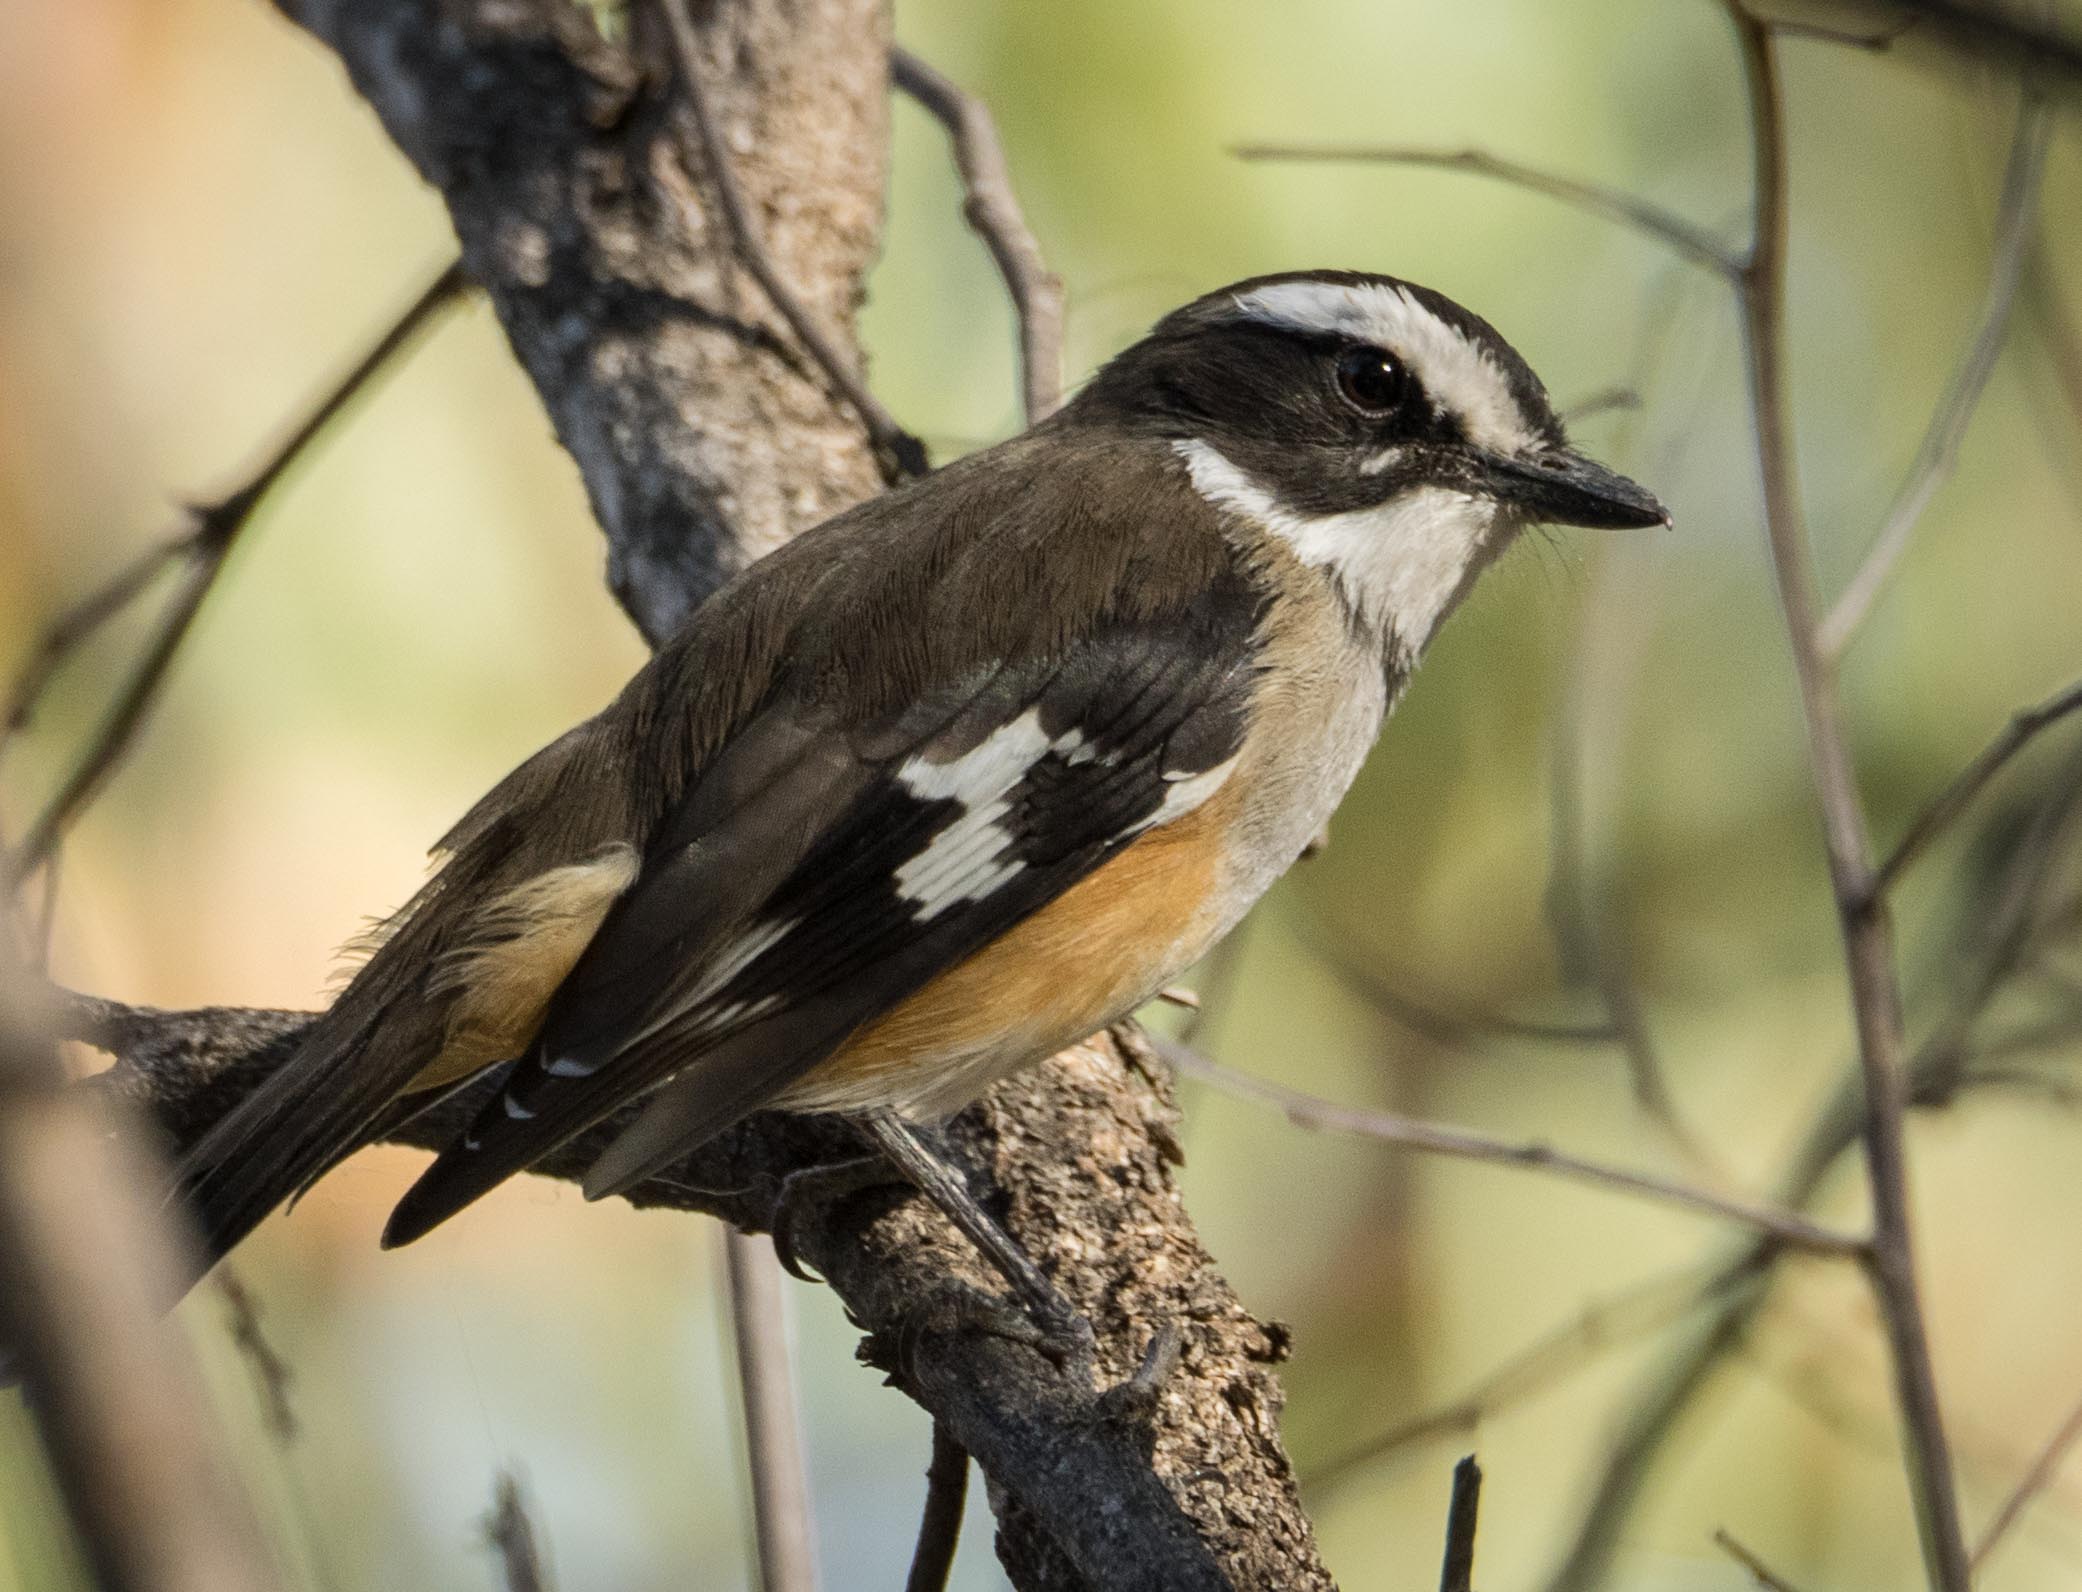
(1458, 373)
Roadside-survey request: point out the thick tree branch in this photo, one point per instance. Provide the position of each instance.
(704, 439)
(1195, 1493)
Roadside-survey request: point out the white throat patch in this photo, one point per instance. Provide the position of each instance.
(1458, 373)
(1403, 563)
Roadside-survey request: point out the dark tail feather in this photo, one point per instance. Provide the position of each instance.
(303, 1120)
(471, 1167)
(317, 1108)
(268, 1147)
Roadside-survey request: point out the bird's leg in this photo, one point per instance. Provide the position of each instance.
(943, 1185)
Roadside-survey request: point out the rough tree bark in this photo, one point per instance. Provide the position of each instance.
(705, 439)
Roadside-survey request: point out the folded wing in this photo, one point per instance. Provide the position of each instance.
(821, 871)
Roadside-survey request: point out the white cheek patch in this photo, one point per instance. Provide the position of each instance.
(1456, 372)
(1403, 563)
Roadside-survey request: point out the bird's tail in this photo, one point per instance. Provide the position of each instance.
(453, 983)
(318, 1107)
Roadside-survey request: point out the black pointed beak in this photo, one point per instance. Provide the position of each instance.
(1561, 487)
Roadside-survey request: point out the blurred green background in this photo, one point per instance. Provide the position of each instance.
(198, 222)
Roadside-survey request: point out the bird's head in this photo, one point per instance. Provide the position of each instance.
(1388, 435)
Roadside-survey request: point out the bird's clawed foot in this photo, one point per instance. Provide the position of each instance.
(955, 1307)
(1134, 1400)
(904, 1160)
(819, 1185)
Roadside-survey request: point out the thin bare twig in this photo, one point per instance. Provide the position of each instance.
(2016, 220)
(81, 620)
(900, 454)
(1309, 1111)
(763, 1330)
(44, 933)
(510, 1532)
(2059, 337)
(1457, 1030)
(939, 1528)
(992, 207)
(2035, 1481)
(204, 546)
(1463, 1516)
(1605, 648)
(1759, 1571)
(2000, 936)
(1867, 931)
(2019, 733)
(1666, 227)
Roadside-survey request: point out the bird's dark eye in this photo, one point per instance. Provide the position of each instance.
(1372, 380)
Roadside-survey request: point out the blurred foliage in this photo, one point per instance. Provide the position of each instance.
(198, 222)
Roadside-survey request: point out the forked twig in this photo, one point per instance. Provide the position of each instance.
(900, 454)
(1867, 932)
(993, 210)
(1938, 455)
(1310, 1111)
(939, 1527)
(1936, 1076)
(212, 530)
(1650, 220)
(81, 620)
(2024, 726)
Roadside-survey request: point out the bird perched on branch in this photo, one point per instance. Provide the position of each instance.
(954, 779)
